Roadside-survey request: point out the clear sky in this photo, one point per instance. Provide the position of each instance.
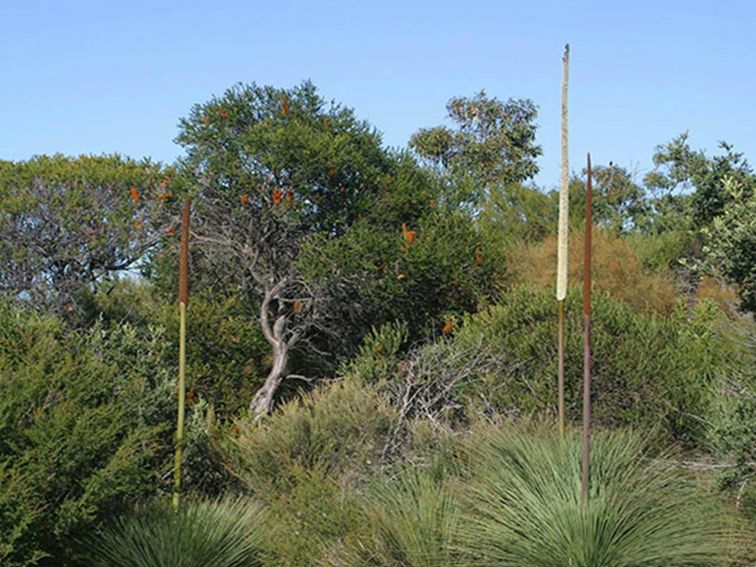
(86, 76)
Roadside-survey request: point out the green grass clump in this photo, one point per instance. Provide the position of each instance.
(223, 533)
(412, 519)
(523, 506)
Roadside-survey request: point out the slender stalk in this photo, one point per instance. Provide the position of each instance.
(585, 477)
(560, 363)
(562, 245)
(183, 297)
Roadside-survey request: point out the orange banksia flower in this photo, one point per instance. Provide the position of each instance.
(408, 235)
(134, 194)
(277, 195)
(297, 306)
(448, 327)
(191, 397)
(223, 112)
(479, 256)
(171, 231)
(244, 199)
(284, 105)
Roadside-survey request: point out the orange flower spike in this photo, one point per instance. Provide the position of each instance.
(289, 199)
(284, 105)
(478, 256)
(277, 195)
(191, 397)
(138, 225)
(223, 112)
(244, 199)
(448, 327)
(408, 235)
(297, 306)
(171, 231)
(134, 194)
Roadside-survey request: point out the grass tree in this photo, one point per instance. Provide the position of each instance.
(524, 505)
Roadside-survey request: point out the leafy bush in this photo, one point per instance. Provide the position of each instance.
(84, 427)
(336, 429)
(523, 505)
(223, 533)
(650, 370)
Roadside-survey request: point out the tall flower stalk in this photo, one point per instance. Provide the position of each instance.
(183, 297)
(562, 250)
(585, 475)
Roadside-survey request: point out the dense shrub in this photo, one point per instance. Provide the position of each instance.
(617, 269)
(84, 427)
(227, 355)
(649, 370)
(223, 533)
(304, 461)
(336, 429)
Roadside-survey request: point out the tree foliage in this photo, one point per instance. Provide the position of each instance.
(66, 223)
(493, 143)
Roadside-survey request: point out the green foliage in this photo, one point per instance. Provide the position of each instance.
(254, 139)
(66, 223)
(222, 533)
(522, 498)
(305, 459)
(680, 168)
(412, 521)
(338, 430)
(732, 423)
(226, 352)
(440, 271)
(619, 204)
(494, 142)
(648, 370)
(731, 241)
(83, 429)
(306, 522)
(379, 354)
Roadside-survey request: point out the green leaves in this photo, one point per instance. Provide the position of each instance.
(66, 223)
(224, 533)
(523, 498)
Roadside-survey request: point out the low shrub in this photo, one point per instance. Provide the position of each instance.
(338, 429)
(85, 427)
(648, 370)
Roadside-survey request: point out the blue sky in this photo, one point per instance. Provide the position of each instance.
(113, 76)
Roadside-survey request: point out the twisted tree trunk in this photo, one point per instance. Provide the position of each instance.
(262, 402)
